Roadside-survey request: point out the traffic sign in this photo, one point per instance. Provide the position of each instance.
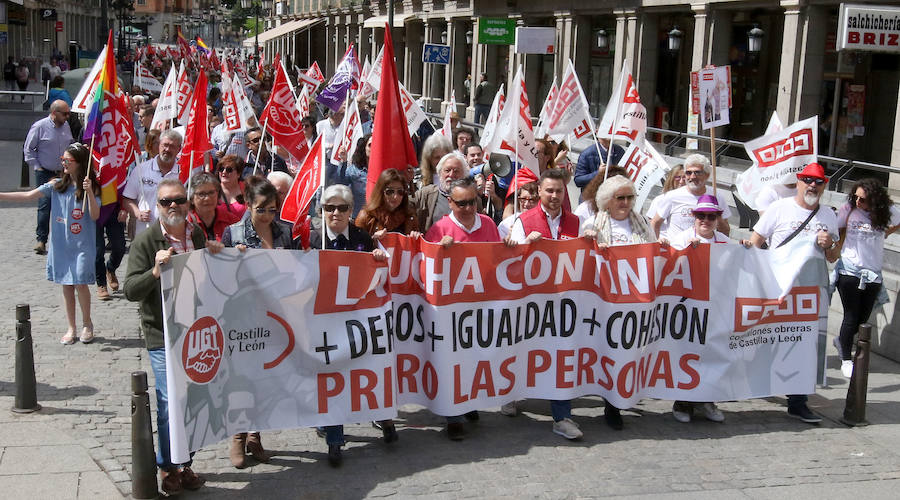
(436, 53)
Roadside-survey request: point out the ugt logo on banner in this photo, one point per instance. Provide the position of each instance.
(201, 353)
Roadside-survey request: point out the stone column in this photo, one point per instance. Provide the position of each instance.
(455, 73)
(792, 61)
(626, 34)
(330, 41)
(565, 43)
(415, 33)
(479, 55)
(894, 179)
(581, 51)
(646, 60)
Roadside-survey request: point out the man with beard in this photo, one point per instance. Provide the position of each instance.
(150, 251)
(801, 215)
(261, 161)
(432, 201)
(139, 195)
(677, 206)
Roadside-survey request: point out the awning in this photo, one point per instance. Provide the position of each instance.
(284, 29)
(379, 21)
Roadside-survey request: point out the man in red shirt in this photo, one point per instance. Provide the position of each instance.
(463, 223)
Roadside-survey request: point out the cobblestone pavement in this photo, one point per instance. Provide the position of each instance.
(757, 453)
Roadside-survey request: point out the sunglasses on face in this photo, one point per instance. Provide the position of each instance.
(811, 180)
(227, 170)
(689, 173)
(331, 208)
(205, 194)
(464, 203)
(270, 211)
(168, 202)
(706, 216)
(625, 197)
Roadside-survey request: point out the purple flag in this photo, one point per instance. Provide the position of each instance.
(346, 77)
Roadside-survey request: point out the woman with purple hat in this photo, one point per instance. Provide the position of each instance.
(706, 215)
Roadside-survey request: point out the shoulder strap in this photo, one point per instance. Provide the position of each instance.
(800, 228)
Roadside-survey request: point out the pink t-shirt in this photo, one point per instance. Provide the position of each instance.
(486, 233)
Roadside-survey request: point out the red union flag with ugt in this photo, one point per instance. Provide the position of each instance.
(326, 337)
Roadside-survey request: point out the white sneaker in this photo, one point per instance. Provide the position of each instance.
(711, 412)
(509, 409)
(847, 368)
(567, 429)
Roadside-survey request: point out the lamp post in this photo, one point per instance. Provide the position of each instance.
(754, 39)
(256, 7)
(123, 9)
(675, 37)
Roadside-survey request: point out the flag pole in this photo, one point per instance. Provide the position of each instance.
(262, 138)
(322, 160)
(712, 154)
(87, 172)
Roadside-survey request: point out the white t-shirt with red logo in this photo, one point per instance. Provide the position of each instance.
(677, 208)
(863, 245)
(619, 232)
(784, 216)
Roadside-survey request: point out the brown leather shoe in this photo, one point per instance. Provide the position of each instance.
(255, 448)
(40, 248)
(112, 281)
(102, 293)
(236, 450)
(171, 482)
(190, 480)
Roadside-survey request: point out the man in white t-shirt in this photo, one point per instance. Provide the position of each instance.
(328, 127)
(772, 193)
(777, 225)
(139, 195)
(676, 206)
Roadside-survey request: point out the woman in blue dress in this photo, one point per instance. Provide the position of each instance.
(72, 248)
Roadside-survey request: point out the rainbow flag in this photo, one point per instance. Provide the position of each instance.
(108, 131)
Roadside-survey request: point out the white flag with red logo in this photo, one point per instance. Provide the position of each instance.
(233, 114)
(645, 167)
(541, 129)
(167, 107)
(144, 79)
(514, 134)
(283, 120)
(347, 135)
(570, 115)
(296, 203)
(777, 157)
(624, 111)
(243, 102)
(371, 83)
(184, 91)
(312, 78)
(365, 70)
(490, 125)
(415, 115)
(303, 101)
(447, 128)
(85, 97)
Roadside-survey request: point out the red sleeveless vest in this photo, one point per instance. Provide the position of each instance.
(535, 219)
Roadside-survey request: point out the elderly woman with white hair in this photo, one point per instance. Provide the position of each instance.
(616, 223)
(338, 234)
(436, 147)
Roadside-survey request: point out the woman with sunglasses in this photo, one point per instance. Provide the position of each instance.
(864, 222)
(206, 212)
(587, 209)
(229, 170)
(337, 233)
(72, 249)
(389, 209)
(616, 224)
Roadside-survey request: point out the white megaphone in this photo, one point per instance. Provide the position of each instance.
(497, 164)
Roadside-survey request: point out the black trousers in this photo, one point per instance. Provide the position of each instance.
(858, 306)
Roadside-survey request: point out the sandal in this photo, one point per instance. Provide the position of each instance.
(68, 338)
(87, 335)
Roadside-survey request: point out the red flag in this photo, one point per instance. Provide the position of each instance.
(296, 202)
(183, 44)
(391, 145)
(284, 119)
(214, 57)
(196, 135)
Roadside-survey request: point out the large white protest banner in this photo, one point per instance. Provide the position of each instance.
(777, 157)
(271, 339)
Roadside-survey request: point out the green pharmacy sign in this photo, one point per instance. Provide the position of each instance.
(496, 30)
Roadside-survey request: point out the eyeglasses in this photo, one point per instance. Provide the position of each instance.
(168, 202)
(227, 170)
(270, 211)
(811, 180)
(678, 177)
(698, 173)
(706, 216)
(254, 140)
(204, 194)
(332, 208)
(66, 161)
(526, 200)
(464, 203)
(625, 197)
(392, 192)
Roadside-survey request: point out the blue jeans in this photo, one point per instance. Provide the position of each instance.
(334, 434)
(115, 232)
(561, 409)
(42, 177)
(163, 452)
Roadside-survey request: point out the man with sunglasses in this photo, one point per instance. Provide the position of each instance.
(677, 206)
(45, 144)
(139, 195)
(150, 252)
(801, 215)
(261, 160)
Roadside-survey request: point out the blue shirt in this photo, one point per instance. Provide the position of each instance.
(59, 94)
(46, 143)
(589, 163)
(72, 244)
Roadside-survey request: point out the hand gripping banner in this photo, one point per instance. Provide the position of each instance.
(273, 339)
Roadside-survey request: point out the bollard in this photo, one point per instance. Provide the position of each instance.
(26, 385)
(855, 408)
(25, 180)
(143, 459)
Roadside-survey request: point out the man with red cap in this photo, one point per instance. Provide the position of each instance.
(801, 215)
